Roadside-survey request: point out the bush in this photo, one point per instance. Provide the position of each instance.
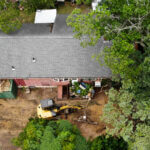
(78, 2)
(33, 5)
(54, 135)
(62, 135)
(9, 17)
(111, 143)
(86, 2)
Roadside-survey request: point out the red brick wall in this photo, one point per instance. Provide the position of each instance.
(39, 82)
(60, 92)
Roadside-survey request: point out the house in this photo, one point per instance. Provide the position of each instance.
(34, 56)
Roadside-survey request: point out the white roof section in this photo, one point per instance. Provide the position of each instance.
(45, 16)
(94, 5)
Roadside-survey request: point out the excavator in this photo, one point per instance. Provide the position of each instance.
(47, 109)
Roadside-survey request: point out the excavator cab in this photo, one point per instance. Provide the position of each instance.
(47, 103)
(47, 109)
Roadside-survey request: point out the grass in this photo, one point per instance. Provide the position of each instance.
(67, 8)
(27, 17)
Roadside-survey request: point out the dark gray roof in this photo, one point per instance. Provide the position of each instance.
(60, 26)
(56, 55)
(29, 30)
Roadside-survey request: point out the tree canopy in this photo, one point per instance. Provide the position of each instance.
(129, 118)
(110, 143)
(126, 24)
(62, 135)
(33, 5)
(9, 17)
(54, 135)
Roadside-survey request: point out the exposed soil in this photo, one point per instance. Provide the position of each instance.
(93, 127)
(14, 114)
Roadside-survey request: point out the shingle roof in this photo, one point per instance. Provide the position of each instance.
(60, 26)
(57, 55)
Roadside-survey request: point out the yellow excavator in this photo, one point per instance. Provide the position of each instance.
(47, 109)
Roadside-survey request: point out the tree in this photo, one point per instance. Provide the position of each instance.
(129, 118)
(9, 17)
(108, 143)
(126, 23)
(113, 18)
(54, 135)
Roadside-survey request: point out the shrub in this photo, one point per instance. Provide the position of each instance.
(78, 2)
(9, 19)
(87, 2)
(33, 5)
(111, 143)
(54, 135)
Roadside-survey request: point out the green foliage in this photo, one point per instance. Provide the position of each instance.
(119, 58)
(129, 118)
(124, 22)
(117, 21)
(89, 25)
(86, 2)
(9, 19)
(78, 2)
(64, 125)
(52, 135)
(108, 143)
(33, 5)
(81, 143)
(83, 92)
(61, 135)
(47, 138)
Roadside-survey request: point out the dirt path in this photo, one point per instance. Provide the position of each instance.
(14, 115)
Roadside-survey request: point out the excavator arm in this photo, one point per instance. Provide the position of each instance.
(70, 107)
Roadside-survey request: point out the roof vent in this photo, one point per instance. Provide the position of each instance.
(13, 68)
(33, 60)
